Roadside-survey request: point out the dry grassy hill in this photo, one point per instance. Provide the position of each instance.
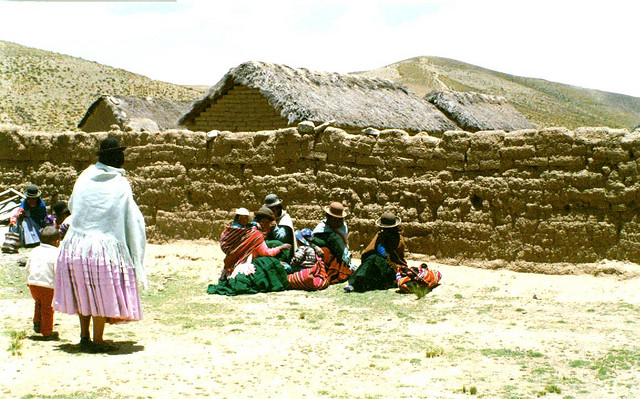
(542, 102)
(48, 91)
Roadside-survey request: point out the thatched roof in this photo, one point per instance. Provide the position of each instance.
(349, 100)
(152, 114)
(475, 111)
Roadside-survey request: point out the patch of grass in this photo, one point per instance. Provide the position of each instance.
(616, 359)
(578, 363)
(553, 389)
(97, 394)
(12, 284)
(433, 351)
(509, 353)
(472, 390)
(458, 296)
(15, 346)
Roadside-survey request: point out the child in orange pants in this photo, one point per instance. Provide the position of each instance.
(40, 271)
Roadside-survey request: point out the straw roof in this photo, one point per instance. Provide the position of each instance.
(475, 111)
(349, 100)
(152, 114)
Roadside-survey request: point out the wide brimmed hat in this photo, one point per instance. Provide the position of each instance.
(110, 144)
(336, 210)
(266, 212)
(305, 236)
(242, 212)
(32, 191)
(272, 200)
(388, 220)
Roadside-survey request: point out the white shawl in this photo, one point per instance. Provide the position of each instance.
(105, 213)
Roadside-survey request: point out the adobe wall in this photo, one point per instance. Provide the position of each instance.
(537, 196)
(242, 109)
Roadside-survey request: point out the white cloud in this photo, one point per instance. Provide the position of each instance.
(590, 44)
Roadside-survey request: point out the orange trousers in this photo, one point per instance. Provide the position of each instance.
(43, 312)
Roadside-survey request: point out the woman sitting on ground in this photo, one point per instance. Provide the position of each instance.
(331, 239)
(307, 271)
(29, 219)
(250, 266)
(381, 258)
(384, 266)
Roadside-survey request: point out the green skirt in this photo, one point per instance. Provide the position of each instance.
(270, 276)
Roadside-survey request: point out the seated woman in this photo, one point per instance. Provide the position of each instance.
(29, 219)
(381, 258)
(331, 237)
(307, 269)
(283, 229)
(250, 265)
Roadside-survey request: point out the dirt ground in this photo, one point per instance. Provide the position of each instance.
(481, 333)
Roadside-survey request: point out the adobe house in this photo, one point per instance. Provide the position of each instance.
(474, 111)
(132, 113)
(258, 96)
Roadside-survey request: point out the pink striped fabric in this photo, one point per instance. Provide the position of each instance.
(310, 279)
(97, 286)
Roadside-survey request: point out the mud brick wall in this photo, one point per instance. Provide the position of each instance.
(243, 109)
(541, 196)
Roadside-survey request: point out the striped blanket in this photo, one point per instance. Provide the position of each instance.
(310, 279)
(238, 243)
(421, 276)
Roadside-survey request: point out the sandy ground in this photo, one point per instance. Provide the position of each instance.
(498, 332)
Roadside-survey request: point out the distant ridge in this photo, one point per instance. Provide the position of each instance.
(42, 90)
(543, 102)
(47, 91)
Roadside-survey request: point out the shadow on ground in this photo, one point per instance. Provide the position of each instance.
(121, 348)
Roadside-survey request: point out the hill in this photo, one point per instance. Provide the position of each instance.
(47, 91)
(543, 102)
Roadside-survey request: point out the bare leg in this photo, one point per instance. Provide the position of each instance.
(84, 326)
(98, 328)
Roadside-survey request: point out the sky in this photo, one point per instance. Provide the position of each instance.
(591, 44)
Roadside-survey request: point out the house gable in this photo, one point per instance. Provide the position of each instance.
(99, 118)
(240, 109)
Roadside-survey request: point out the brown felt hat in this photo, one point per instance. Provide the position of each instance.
(264, 211)
(336, 210)
(388, 220)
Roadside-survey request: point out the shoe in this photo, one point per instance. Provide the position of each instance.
(348, 288)
(36, 327)
(85, 344)
(53, 337)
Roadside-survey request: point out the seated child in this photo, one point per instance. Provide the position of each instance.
(241, 220)
(305, 255)
(62, 217)
(40, 272)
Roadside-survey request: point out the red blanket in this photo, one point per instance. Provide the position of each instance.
(238, 243)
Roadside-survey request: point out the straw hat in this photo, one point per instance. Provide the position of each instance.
(242, 212)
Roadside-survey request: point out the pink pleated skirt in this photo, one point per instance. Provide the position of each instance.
(96, 279)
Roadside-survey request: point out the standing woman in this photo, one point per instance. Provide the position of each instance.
(101, 257)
